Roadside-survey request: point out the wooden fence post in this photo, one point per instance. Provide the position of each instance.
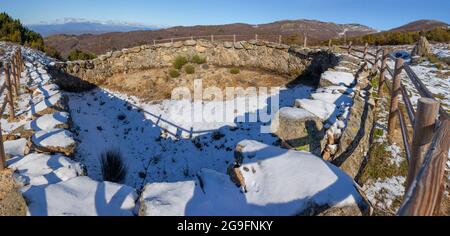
(256, 37)
(366, 49)
(382, 73)
(2, 152)
(305, 41)
(396, 84)
(377, 59)
(425, 121)
(423, 197)
(13, 79)
(9, 94)
(154, 42)
(280, 39)
(350, 47)
(234, 38)
(329, 43)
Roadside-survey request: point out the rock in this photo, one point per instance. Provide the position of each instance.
(422, 48)
(237, 177)
(57, 120)
(16, 148)
(238, 45)
(178, 44)
(190, 43)
(117, 54)
(275, 168)
(81, 196)
(228, 44)
(42, 169)
(57, 102)
(354, 142)
(300, 129)
(321, 109)
(330, 78)
(54, 141)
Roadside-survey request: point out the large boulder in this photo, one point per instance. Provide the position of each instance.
(299, 129)
(422, 48)
(330, 78)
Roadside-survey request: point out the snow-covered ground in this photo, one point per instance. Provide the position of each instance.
(158, 147)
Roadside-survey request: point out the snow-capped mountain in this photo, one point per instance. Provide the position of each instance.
(78, 26)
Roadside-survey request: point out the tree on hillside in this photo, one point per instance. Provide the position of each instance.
(80, 55)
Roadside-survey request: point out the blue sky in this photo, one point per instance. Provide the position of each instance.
(380, 14)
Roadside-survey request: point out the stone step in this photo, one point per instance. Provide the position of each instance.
(54, 141)
(41, 169)
(81, 196)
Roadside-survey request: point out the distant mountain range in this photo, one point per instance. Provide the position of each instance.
(420, 25)
(77, 26)
(99, 44)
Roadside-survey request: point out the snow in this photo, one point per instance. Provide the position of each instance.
(279, 183)
(321, 109)
(41, 169)
(154, 142)
(81, 196)
(53, 138)
(295, 113)
(16, 147)
(339, 78)
(383, 193)
(396, 154)
(45, 104)
(50, 121)
(333, 98)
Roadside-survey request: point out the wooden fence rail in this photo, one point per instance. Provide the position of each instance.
(428, 153)
(12, 68)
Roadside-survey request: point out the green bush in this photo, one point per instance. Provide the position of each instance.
(174, 73)
(198, 59)
(189, 69)
(235, 70)
(76, 55)
(179, 62)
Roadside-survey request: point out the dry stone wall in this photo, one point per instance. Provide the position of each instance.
(271, 57)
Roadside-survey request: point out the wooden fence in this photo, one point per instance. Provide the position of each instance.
(232, 38)
(428, 153)
(12, 69)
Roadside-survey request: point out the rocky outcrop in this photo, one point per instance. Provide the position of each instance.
(422, 48)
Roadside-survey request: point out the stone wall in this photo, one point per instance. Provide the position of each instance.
(271, 57)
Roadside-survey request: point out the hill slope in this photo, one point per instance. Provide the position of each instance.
(420, 25)
(99, 44)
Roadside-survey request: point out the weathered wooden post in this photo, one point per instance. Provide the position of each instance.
(256, 37)
(305, 41)
(2, 152)
(280, 39)
(234, 38)
(13, 79)
(425, 193)
(366, 49)
(396, 84)
(384, 55)
(425, 121)
(350, 47)
(9, 94)
(329, 43)
(154, 42)
(377, 59)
